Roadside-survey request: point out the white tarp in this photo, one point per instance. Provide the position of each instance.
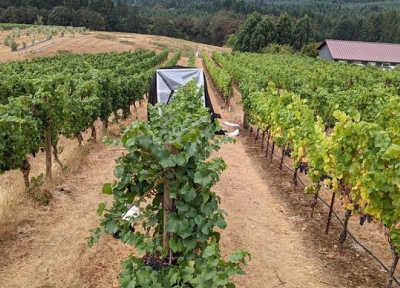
(169, 80)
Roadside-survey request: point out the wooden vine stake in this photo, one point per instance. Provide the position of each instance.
(330, 213)
(268, 137)
(257, 135)
(262, 139)
(55, 154)
(343, 235)
(283, 156)
(48, 153)
(272, 152)
(245, 121)
(26, 169)
(48, 147)
(168, 203)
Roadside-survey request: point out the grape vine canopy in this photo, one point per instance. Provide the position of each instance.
(171, 153)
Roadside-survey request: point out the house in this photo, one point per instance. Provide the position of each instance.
(358, 52)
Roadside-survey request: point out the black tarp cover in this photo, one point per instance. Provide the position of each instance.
(167, 80)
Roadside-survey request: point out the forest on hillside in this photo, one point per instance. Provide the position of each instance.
(213, 21)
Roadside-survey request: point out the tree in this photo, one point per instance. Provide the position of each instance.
(374, 27)
(310, 50)
(201, 30)
(134, 22)
(231, 40)
(9, 15)
(60, 16)
(5, 3)
(89, 19)
(107, 9)
(75, 4)
(263, 35)
(284, 29)
(302, 33)
(162, 25)
(245, 33)
(361, 28)
(221, 25)
(185, 24)
(345, 29)
(390, 27)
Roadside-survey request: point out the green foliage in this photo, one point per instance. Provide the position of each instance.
(264, 34)
(243, 41)
(60, 16)
(6, 40)
(257, 33)
(230, 42)
(221, 25)
(66, 95)
(212, 22)
(191, 59)
(284, 29)
(105, 36)
(142, 175)
(19, 134)
(221, 79)
(89, 19)
(13, 44)
(358, 158)
(310, 50)
(39, 194)
(302, 33)
(279, 49)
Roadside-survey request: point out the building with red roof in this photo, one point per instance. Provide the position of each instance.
(359, 52)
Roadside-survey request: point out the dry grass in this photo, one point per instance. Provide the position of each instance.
(15, 203)
(11, 195)
(51, 238)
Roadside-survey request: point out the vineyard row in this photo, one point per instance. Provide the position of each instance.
(64, 95)
(356, 158)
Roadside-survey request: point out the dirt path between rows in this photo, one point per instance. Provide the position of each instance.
(256, 221)
(49, 248)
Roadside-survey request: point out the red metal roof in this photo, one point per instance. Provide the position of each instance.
(363, 51)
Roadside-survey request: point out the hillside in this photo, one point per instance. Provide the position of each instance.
(96, 42)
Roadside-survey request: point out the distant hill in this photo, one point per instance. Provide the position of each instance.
(211, 21)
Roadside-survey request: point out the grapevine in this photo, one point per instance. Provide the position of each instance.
(65, 95)
(191, 258)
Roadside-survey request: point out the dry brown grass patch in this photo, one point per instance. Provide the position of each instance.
(12, 196)
(16, 204)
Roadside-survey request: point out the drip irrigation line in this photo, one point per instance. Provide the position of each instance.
(341, 222)
(359, 242)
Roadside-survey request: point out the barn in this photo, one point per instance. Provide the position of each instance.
(359, 52)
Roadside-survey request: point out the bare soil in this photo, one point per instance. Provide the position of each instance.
(45, 246)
